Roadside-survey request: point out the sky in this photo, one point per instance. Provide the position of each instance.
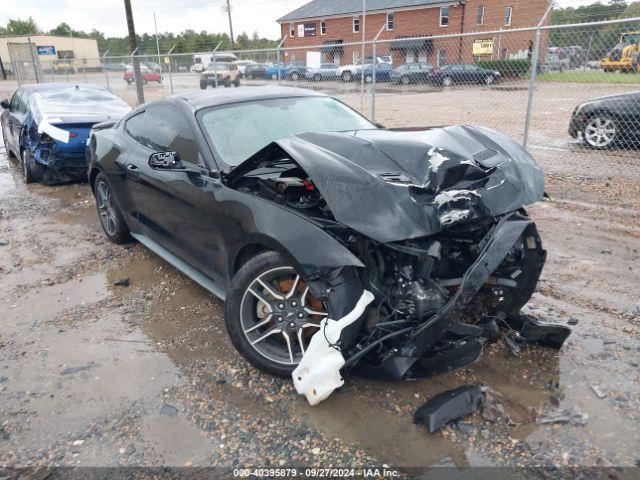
(172, 15)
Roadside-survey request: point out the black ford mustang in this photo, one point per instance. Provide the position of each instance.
(296, 210)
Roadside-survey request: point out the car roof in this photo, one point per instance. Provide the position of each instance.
(42, 87)
(202, 99)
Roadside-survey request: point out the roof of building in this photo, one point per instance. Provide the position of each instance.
(326, 8)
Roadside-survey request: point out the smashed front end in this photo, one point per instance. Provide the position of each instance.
(437, 218)
(58, 126)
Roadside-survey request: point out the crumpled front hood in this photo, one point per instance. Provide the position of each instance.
(391, 185)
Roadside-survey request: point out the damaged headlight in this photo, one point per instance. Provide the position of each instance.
(44, 138)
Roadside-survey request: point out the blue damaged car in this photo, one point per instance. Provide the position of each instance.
(46, 126)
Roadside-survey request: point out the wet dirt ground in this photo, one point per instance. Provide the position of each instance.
(95, 374)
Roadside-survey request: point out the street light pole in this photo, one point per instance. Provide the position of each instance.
(133, 45)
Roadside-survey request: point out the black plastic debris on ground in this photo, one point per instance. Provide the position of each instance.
(123, 282)
(449, 406)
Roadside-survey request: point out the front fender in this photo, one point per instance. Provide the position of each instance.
(311, 249)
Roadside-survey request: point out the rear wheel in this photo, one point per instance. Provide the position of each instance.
(271, 315)
(601, 131)
(447, 81)
(404, 80)
(346, 76)
(489, 80)
(31, 170)
(111, 218)
(368, 78)
(295, 77)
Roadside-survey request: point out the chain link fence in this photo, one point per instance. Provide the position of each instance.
(526, 83)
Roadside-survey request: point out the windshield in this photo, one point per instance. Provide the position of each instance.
(238, 131)
(218, 66)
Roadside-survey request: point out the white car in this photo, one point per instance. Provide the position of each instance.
(348, 72)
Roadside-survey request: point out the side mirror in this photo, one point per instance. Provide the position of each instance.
(4, 103)
(379, 125)
(165, 161)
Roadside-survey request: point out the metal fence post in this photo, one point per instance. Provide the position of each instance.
(170, 69)
(106, 71)
(373, 82)
(278, 58)
(33, 60)
(215, 70)
(84, 70)
(534, 74)
(373, 77)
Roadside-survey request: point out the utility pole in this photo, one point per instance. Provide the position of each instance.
(227, 8)
(133, 45)
(155, 24)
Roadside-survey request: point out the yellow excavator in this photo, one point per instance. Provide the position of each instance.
(621, 57)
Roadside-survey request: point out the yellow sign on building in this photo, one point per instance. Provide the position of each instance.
(483, 48)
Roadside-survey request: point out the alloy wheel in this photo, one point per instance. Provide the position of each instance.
(278, 315)
(106, 209)
(489, 80)
(446, 81)
(600, 132)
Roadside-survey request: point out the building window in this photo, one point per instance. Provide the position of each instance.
(323, 27)
(356, 24)
(444, 16)
(442, 57)
(480, 15)
(391, 20)
(507, 16)
(292, 30)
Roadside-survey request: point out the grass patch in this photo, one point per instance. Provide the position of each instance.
(591, 77)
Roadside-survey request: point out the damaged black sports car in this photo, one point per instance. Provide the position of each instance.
(338, 246)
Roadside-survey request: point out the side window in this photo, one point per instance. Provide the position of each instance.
(24, 101)
(163, 129)
(14, 106)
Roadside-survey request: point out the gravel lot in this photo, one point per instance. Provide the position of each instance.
(94, 374)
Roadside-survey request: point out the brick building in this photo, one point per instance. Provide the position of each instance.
(329, 25)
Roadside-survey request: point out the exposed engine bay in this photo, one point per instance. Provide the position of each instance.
(438, 295)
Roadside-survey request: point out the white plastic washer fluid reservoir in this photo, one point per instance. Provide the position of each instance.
(318, 373)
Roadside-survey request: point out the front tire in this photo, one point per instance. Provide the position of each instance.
(600, 132)
(270, 315)
(347, 76)
(489, 80)
(111, 218)
(404, 80)
(7, 149)
(295, 77)
(447, 81)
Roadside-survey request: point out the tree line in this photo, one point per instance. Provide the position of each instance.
(597, 39)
